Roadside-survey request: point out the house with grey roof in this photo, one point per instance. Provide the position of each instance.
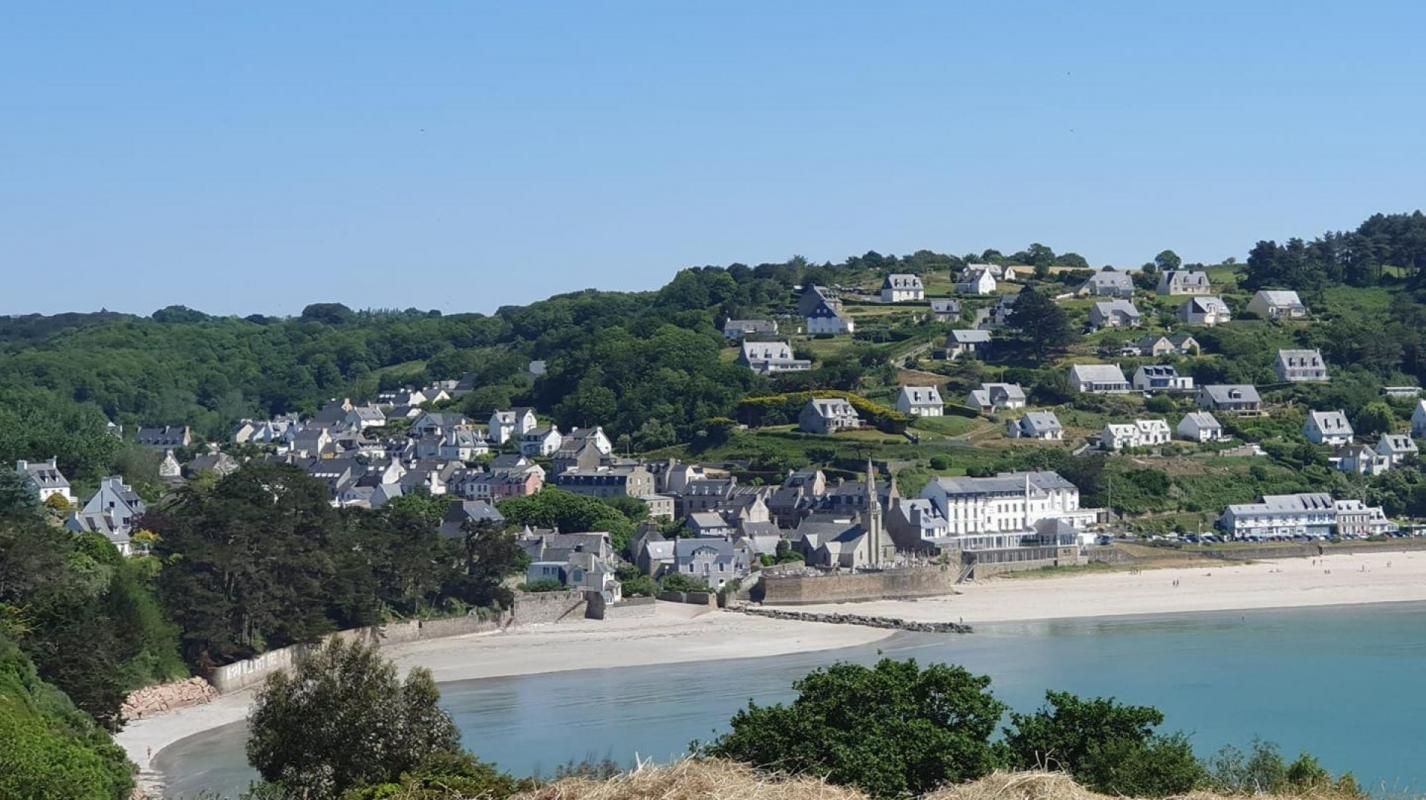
(1117, 313)
(1301, 366)
(946, 309)
(168, 437)
(453, 524)
(714, 561)
(214, 462)
(510, 424)
(1396, 447)
(828, 415)
(1307, 514)
(45, 480)
(541, 442)
(1098, 379)
(967, 342)
(1200, 426)
(1231, 398)
(829, 320)
(976, 281)
(920, 401)
(771, 357)
(1177, 282)
(1043, 425)
(1206, 311)
(899, 287)
(1328, 427)
(993, 397)
(1359, 459)
(1277, 304)
(709, 523)
(1108, 283)
(814, 297)
(998, 511)
(735, 329)
(111, 512)
(1161, 378)
(655, 556)
(1130, 435)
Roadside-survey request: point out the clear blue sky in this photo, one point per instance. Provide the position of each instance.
(464, 155)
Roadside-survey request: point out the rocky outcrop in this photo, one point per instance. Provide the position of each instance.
(151, 700)
(858, 619)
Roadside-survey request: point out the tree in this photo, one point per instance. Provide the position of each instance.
(678, 582)
(890, 730)
(340, 719)
(1041, 321)
(1109, 747)
(1374, 418)
(1167, 261)
(17, 499)
(569, 513)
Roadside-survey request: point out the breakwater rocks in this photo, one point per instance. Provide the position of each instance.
(858, 619)
(151, 700)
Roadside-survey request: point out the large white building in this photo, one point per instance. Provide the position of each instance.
(998, 511)
(1313, 514)
(1139, 433)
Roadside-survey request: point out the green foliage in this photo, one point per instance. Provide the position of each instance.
(51, 750)
(86, 616)
(1109, 747)
(569, 513)
(543, 585)
(340, 719)
(446, 776)
(1042, 322)
(1263, 771)
(678, 582)
(890, 730)
(781, 409)
(1374, 419)
(39, 424)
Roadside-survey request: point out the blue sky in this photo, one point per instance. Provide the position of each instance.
(461, 156)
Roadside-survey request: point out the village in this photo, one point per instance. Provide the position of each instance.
(713, 523)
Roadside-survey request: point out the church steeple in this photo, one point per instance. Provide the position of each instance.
(873, 518)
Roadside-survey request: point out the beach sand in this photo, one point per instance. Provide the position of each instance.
(683, 633)
(676, 633)
(1224, 586)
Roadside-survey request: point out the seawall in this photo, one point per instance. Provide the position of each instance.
(834, 618)
(892, 584)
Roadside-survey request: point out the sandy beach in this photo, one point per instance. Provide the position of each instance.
(1373, 577)
(682, 633)
(675, 634)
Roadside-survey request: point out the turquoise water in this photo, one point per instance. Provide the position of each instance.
(1343, 683)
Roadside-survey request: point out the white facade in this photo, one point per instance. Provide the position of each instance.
(827, 320)
(541, 442)
(1098, 379)
(1201, 426)
(1270, 304)
(1328, 427)
(976, 281)
(902, 288)
(920, 401)
(1139, 433)
(1301, 366)
(1206, 311)
(1008, 502)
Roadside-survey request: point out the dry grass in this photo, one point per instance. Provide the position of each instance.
(721, 780)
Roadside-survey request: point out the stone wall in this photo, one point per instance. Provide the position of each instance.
(631, 608)
(989, 563)
(859, 586)
(691, 598)
(243, 674)
(534, 608)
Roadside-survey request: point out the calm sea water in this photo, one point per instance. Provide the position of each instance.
(1344, 683)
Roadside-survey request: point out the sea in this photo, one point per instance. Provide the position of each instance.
(1345, 683)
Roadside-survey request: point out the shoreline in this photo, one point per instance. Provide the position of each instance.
(675, 634)
(681, 634)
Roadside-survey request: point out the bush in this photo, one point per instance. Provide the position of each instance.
(678, 582)
(543, 585)
(890, 730)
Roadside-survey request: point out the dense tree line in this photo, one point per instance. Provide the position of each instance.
(1362, 257)
(261, 560)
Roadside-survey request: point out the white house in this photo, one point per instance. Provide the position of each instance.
(828, 415)
(1301, 366)
(1309, 514)
(770, 358)
(1328, 427)
(1201, 426)
(827, 319)
(541, 442)
(1161, 378)
(1206, 311)
(44, 479)
(993, 397)
(1118, 313)
(1236, 398)
(1098, 379)
(946, 309)
(1418, 420)
(1139, 433)
(902, 288)
(1043, 425)
(1274, 304)
(512, 424)
(1396, 447)
(1175, 282)
(967, 342)
(1156, 345)
(735, 329)
(920, 401)
(997, 511)
(976, 281)
(1358, 459)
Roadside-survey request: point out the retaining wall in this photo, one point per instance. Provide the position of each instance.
(631, 608)
(535, 608)
(691, 598)
(859, 586)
